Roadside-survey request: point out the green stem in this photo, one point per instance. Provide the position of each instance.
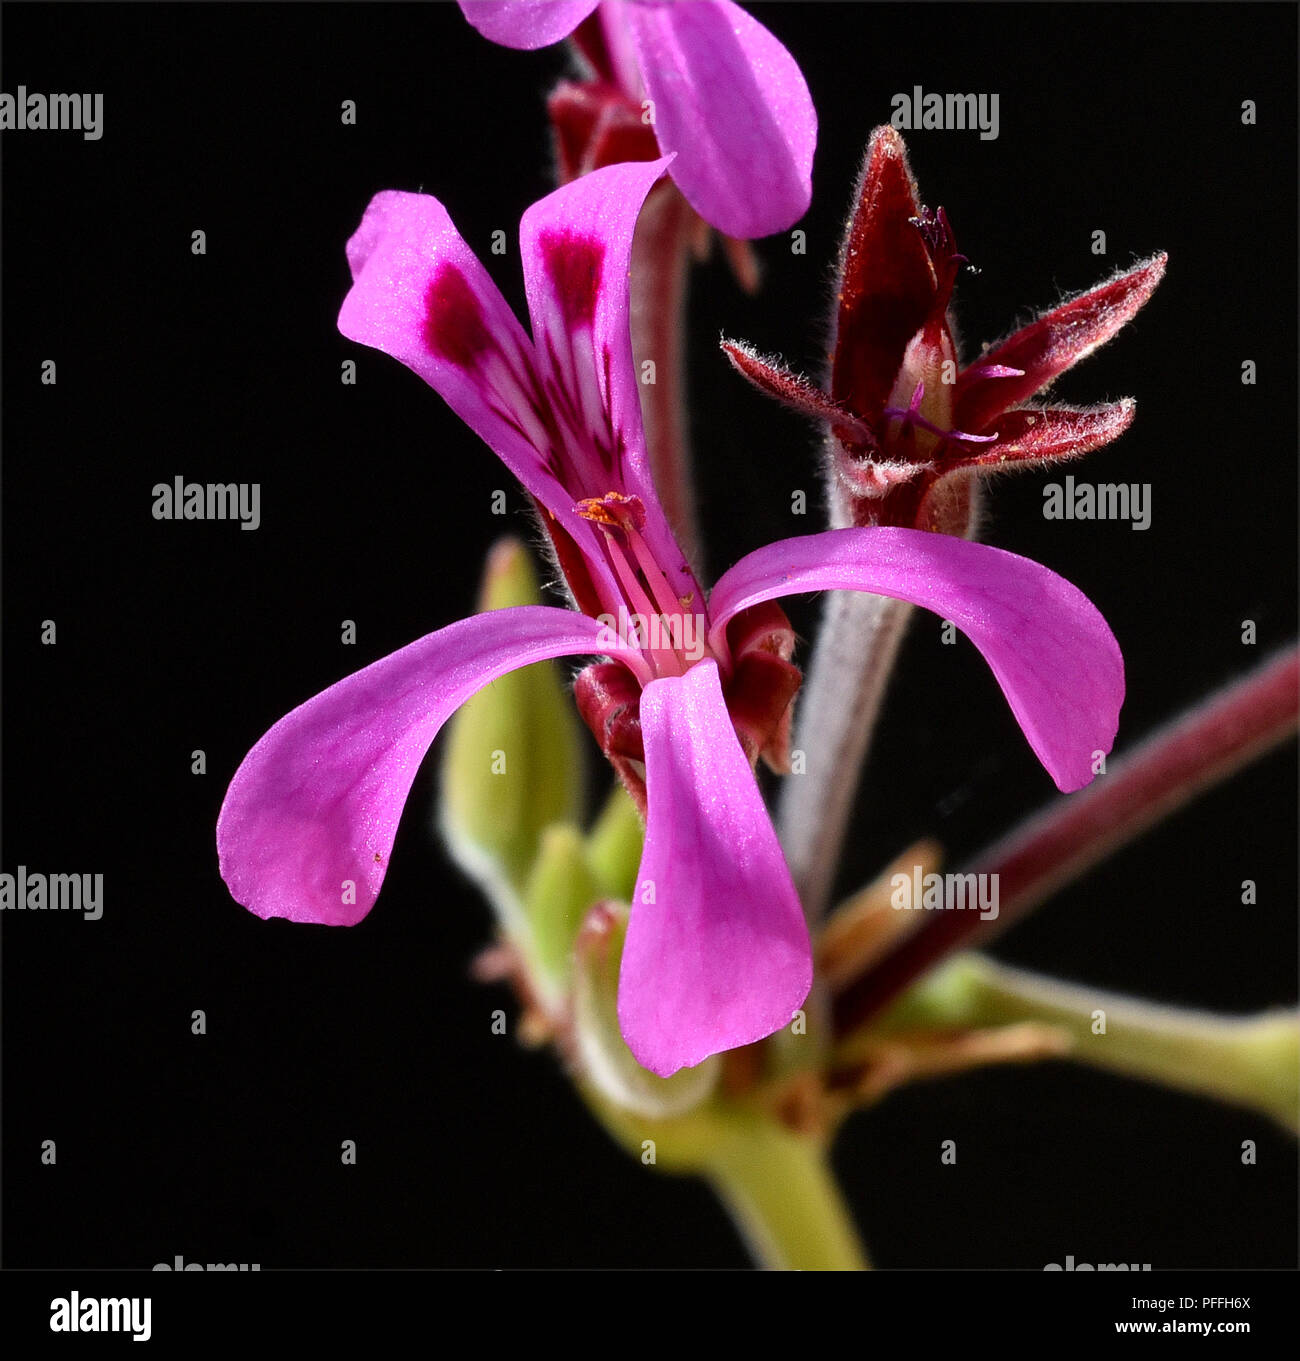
(777, 1185)
(1249, 1061)
(783, 1197)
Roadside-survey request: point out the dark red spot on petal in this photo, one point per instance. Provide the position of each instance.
(455, 328)
(574, 264)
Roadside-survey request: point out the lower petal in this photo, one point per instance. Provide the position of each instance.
(717, 952)
(308, 822)
(1050, 650)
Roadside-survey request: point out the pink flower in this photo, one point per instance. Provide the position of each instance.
(717, 954)
(909, 425)
(721, 92)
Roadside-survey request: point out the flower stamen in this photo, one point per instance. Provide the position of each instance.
(936, 232)
(911, 418)
(671, 644)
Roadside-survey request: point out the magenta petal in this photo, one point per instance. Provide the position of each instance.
(717, 952)
(576, 245)
(1051, 651)
(526, 24)
(314, 806)
(733, 104)
(420, 295)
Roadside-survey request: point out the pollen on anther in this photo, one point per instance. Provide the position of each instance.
(613, 509)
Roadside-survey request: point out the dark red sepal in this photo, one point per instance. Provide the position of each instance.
(763, 682)
(887, 284)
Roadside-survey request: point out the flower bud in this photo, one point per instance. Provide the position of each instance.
(513, 757)
(606, 1060)
(614, 845)
(560, 890)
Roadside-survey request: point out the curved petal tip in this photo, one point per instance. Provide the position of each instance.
(717, 952)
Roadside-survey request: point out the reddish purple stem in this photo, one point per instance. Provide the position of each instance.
(1196, 750)
(660, 280)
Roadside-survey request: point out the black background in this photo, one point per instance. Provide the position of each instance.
(375, 507)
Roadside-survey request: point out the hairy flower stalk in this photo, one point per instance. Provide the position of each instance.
(661, 256)
(602, 118)
(908, 433)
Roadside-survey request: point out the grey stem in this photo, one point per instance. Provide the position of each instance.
(836, 712)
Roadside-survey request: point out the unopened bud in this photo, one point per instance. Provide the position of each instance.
(560, 890)
(513, 759)
(606, 1060)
